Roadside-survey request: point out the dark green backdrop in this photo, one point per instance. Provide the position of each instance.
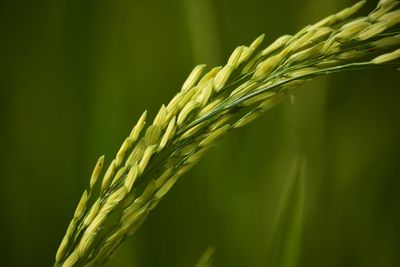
(75, 76)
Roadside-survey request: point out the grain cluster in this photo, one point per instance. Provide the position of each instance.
(210, 104)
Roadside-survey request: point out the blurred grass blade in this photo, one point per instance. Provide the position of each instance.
(285, 247)
(207, 258)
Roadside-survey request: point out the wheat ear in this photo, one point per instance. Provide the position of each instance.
(208, 106)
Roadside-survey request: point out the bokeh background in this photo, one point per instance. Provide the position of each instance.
(76, 75)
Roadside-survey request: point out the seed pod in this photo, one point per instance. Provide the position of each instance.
(279, 43)
(387, 42)
(126, 145)
(131, 177)
(138, 127)
(197, 155)
(108, 176)
(266, 67)
(71, 260)
(165, 188)
(118, 175)
(82, 205)
(391, 18)
(256, 43)
(214, 136)
(372, 31)
(387, 57)
(205, 95)
(186, 111)
(234, 58)
(249, 117)
(96, 171)
(246, 54)
(163, 178)
(351, 29)
(92, 213)
(321, 34)
(209, 107)
(152, 135)
(208, 76)
(383, 8)
(192, 131)
(136, 154)
(347, 12)
(193, 77)
(306, 54)
(146, 157)
(168, 134)
(160, 119)
(222, 77)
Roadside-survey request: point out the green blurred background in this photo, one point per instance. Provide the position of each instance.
(76, 75)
